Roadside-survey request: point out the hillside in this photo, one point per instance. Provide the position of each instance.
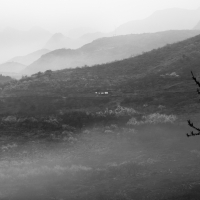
(162, 20)
(5, 79)
(159, 77)
(30, 58)
(106, 50)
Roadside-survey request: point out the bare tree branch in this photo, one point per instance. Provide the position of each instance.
(194, 127)
(194, 78)
(189, 122)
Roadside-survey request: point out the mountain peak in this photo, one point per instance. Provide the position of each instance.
(58, 35)
(57, 41)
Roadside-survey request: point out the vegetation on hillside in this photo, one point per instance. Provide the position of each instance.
(153, 78)
(4, 80)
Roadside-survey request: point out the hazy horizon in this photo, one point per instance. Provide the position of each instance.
(27, 26)
(62, 16)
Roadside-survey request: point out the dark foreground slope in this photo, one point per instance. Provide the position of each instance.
(158, 77)
(107, 49)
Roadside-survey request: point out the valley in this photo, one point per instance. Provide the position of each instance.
(93, 113)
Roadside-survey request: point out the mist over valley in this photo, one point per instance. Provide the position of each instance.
(99, 100)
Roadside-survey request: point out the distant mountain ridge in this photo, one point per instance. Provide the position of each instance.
(30, 58)
(89, 37)
(15, 42)
(107, 50)
(59, 41)
(11, 67)
(162, 20)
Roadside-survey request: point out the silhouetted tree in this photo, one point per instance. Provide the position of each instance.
(189, 122)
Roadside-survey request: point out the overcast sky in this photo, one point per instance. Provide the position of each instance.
(63, 15)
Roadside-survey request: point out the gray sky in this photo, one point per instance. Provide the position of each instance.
(63, 15)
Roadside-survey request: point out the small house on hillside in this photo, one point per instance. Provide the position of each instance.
(102, 93)
(173, 74)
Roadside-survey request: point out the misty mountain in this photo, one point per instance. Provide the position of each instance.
(106, 50)
(30, 58)
(197, 27)
(158, 77)
(162, 20)
(59, 41)
(89, 37)
(13, 67)
(14, 42)
(78, 32)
